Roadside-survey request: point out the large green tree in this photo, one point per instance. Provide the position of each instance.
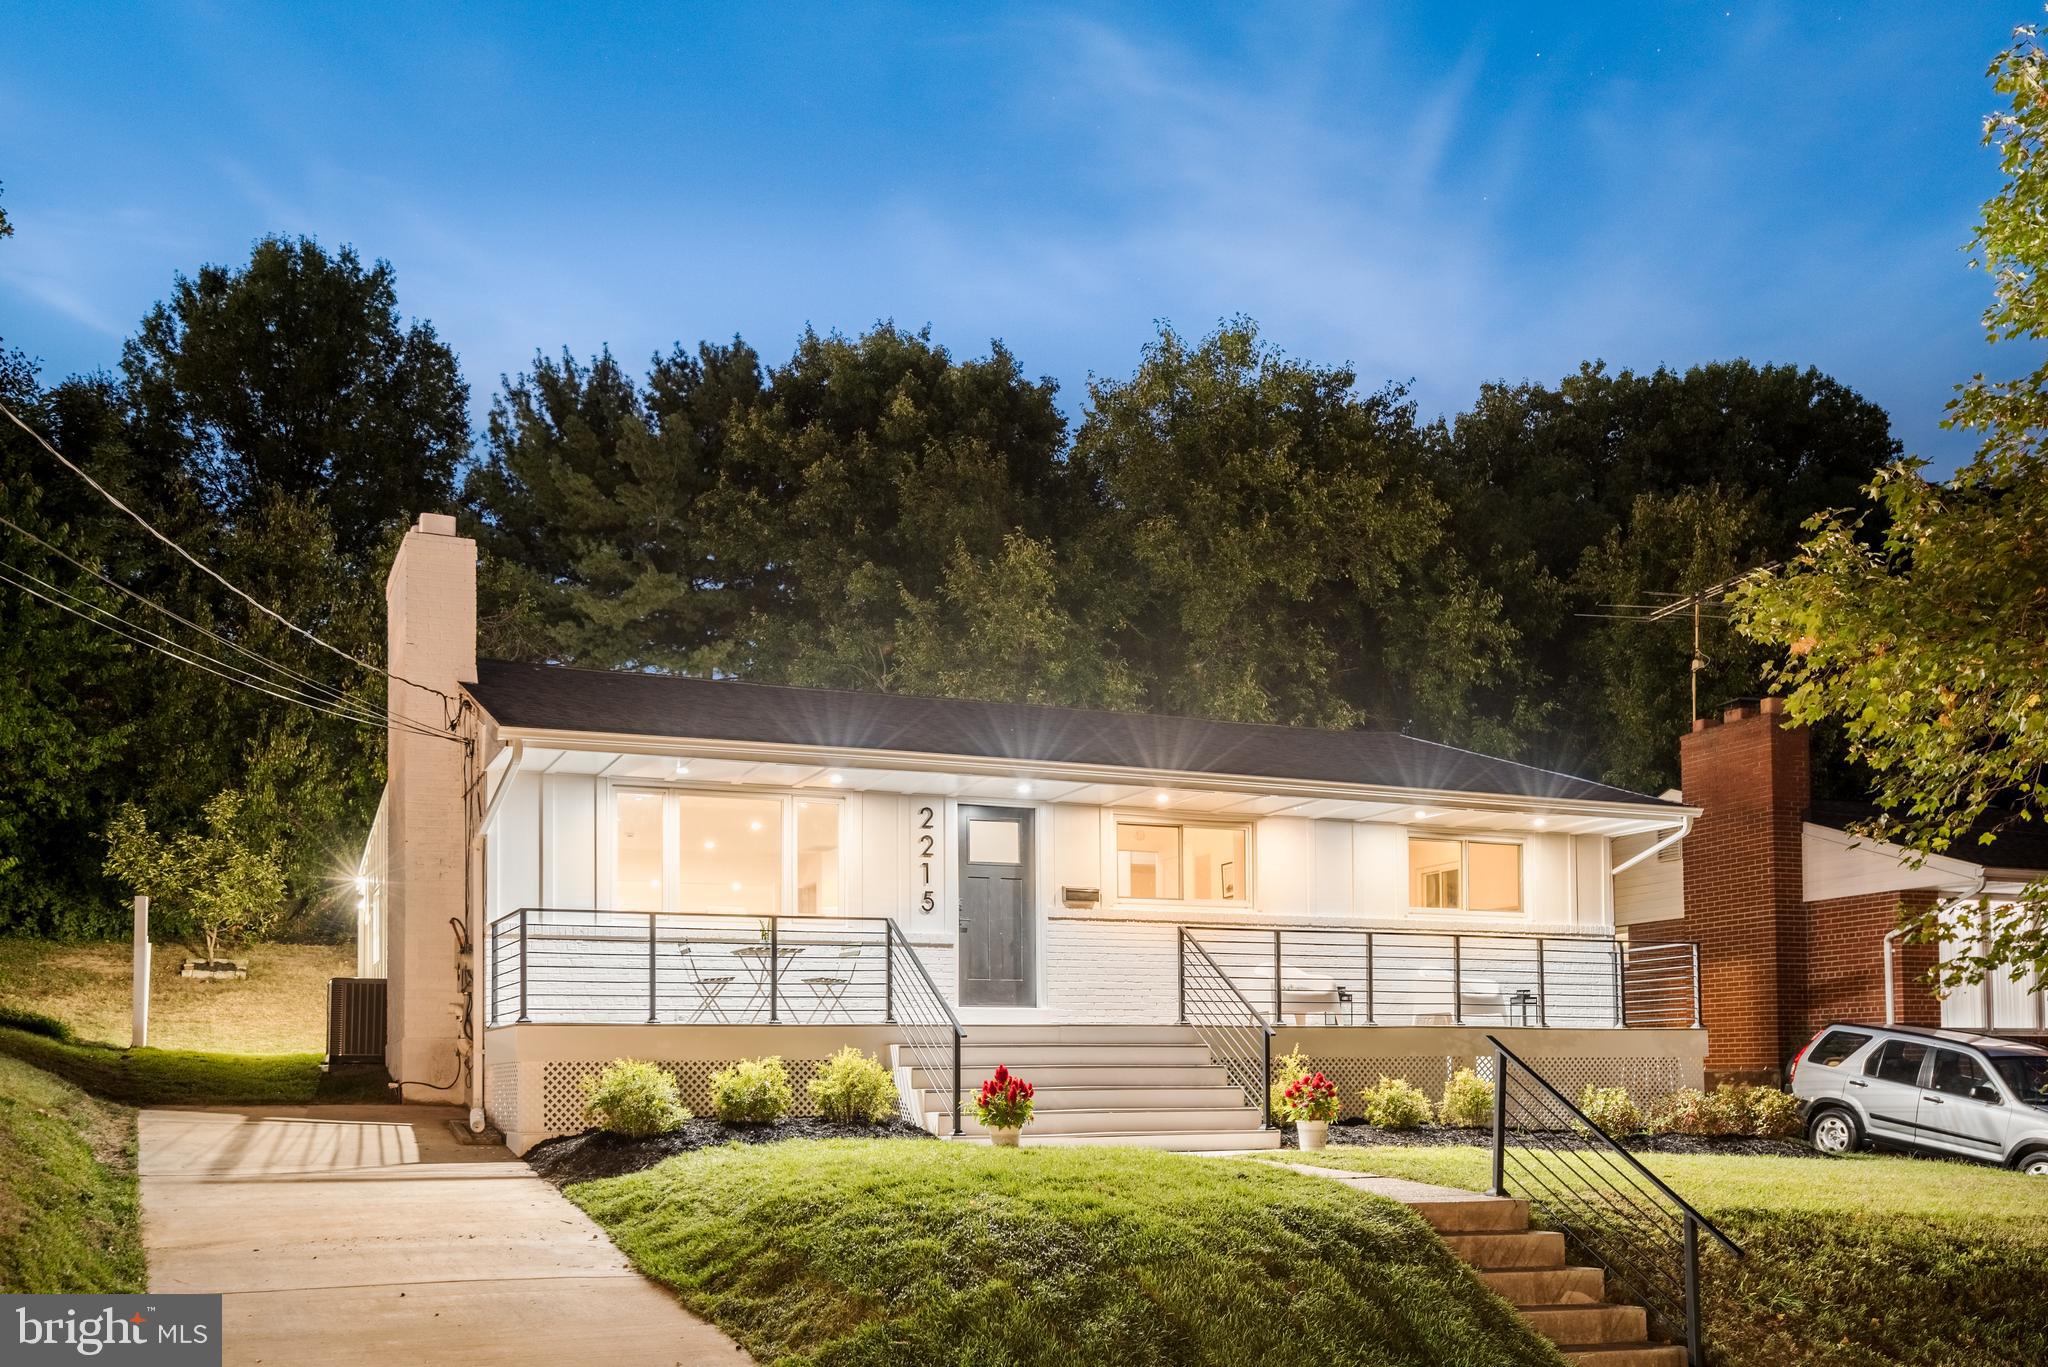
(295, 375)
(1612, 487)
(1920, 623)
(1273, 550)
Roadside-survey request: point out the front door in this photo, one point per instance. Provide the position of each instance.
(1961, 1108)
(997, 946)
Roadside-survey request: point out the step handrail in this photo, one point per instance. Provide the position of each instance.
(1500, 1117)
(1566, 1206)
(932, 997)
(1258, 1020)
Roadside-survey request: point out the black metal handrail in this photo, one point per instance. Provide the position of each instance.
(920, 1011)
(1349, 975)
(1226, 1021)
(1608, 1206)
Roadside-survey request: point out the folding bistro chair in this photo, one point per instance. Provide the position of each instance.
(709, 987)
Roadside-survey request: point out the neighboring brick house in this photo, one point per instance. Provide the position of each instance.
(1794, 916)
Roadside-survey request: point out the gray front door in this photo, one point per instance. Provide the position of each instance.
(996, 940)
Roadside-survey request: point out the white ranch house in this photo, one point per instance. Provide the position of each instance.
(1131, 910)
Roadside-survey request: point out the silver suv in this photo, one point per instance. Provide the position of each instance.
(1925, 1091)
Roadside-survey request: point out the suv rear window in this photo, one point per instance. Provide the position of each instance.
(1835, 1046)
(1896, 1060)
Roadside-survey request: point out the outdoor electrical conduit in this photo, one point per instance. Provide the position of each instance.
(477, 930)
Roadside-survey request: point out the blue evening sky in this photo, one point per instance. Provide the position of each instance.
(1437, 193)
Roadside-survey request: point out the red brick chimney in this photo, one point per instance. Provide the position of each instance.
(1749, 773)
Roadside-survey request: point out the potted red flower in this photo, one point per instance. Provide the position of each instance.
(1004, 1106)
(1312, 1102)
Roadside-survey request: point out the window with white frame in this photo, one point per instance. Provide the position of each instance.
(1181, 861)
(1464, 875)
(752, 854)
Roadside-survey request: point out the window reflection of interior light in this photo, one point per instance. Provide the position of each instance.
(654, 882)
(735, 886)
(753, 825)
(711, 844)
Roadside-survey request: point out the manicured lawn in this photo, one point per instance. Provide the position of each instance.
(68, 1214)
(1851, 1262)
(176, 1077)
(280, 1008)
(888, 1252)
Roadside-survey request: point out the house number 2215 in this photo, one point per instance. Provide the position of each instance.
(926, 843)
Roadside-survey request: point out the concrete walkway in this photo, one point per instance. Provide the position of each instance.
(367, 1234)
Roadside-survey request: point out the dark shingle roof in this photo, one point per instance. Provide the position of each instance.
(554, 698)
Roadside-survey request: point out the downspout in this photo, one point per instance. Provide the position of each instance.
(1683, 829)
(477, 900)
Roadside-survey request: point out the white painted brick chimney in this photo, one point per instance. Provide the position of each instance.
(430, 603)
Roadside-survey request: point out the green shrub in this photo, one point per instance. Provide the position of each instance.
(1290, 1068)
(854, 1089)
(35, 1023)
(1697, 1113)
(754, 1091)
(1612, 1109)
(1468, 1101)
(1394, 1103)
(634, 1098)
(1764, 1112)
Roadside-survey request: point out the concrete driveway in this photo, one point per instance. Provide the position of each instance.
(367, 1234)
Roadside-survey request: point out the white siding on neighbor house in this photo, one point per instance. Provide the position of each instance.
(1838, 864)
(1653, 890)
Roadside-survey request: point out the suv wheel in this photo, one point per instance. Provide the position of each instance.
(2034, 1164)
(1836, 1131)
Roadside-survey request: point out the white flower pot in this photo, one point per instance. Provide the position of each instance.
(1314, 1134)
(1004, 1136)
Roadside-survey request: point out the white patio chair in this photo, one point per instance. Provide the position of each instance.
(709, 987)
(828, 990)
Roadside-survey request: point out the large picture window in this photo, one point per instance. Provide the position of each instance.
(1464, 875)
(1181, 861)
(743, 854)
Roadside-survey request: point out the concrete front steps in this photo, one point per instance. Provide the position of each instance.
(1151, 1086)
(1527, 1268)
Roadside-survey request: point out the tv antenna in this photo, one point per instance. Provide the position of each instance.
(1696, 604)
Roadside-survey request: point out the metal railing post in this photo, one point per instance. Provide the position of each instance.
(774, 964)
(1695, 984)
(1279, 1005)
(1266, 1081)
(522, 964)
(1458, 979)
(1181, 994)
(1620, 985)
(652, 996)
(1694, 1354)
(1368, 978)
(1542, 987)
(956, 1082)
(889, 972)
(1500, 1122)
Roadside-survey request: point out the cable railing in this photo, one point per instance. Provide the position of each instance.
(1238, 1036)
(1609, 1207)
(932, 1036)
(1341, 975)
(688, 968)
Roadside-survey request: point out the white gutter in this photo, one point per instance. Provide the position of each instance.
(1679, 833)
(511, 758)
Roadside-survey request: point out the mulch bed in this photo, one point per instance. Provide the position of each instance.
(1353, 1132)
(595, 1153)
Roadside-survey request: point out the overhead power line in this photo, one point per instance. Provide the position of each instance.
(91, 613)
(208, 570)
